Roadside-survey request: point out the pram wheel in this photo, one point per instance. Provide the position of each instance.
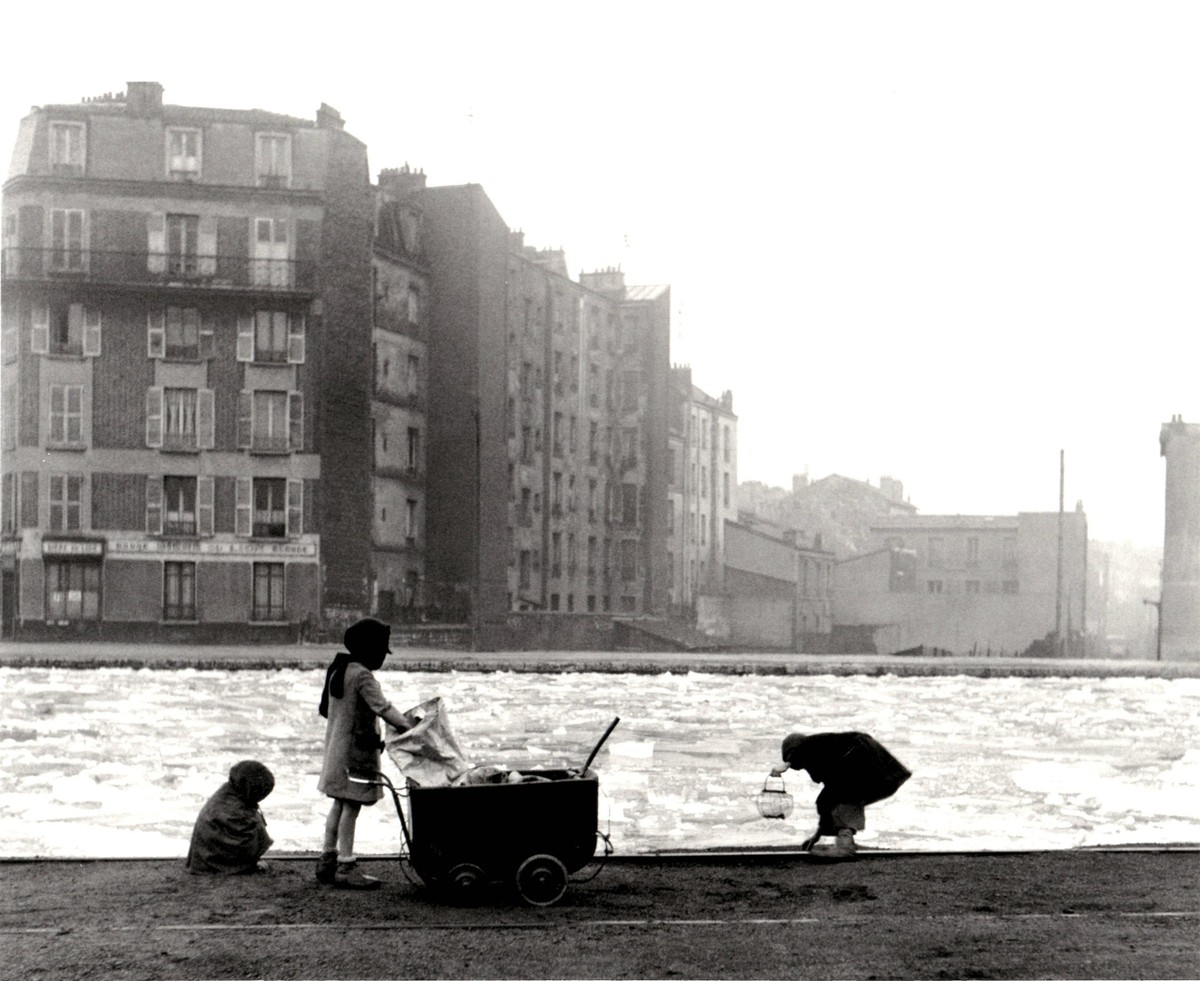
(541, 880)
(465, 884)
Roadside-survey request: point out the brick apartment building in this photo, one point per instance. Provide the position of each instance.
(183, 290)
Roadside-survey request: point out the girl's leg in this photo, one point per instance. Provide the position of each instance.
(345, 829)
(331, 826)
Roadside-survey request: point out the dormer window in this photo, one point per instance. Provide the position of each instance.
(183, 154)
(67, 146)
(273, 159)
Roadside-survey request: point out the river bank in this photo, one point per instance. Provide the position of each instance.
(1069, 914)
(59, 654)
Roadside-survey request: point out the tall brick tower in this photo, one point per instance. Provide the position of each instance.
(1179, 612)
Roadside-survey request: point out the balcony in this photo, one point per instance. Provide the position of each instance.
(151, 269)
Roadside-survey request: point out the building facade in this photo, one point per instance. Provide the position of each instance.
(970, 584)
(702, 492)
(1179, 603)
(182, 288)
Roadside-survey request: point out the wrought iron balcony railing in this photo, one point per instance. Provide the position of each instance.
(232, 272)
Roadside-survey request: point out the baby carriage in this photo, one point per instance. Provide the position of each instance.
(530, 828)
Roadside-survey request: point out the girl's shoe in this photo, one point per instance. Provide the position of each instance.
(348, 877)
(327, 866)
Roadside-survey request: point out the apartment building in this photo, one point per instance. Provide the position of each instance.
(183, 289)
(546, 487)
(400, 290)
(702, 492)
(969, 583)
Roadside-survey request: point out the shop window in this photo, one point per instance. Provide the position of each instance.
(179, 591)
(72, 590)
(268, 592)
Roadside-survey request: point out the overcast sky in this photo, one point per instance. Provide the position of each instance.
(935, 241)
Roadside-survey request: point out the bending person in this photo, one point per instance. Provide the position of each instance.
(230, 834)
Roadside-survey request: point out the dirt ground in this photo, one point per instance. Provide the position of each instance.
(1072, 914)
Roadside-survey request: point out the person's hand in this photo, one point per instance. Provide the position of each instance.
(778, 771)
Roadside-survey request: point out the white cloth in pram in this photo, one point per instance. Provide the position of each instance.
(428, 753)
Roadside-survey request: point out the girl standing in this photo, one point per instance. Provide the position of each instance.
(353, 702)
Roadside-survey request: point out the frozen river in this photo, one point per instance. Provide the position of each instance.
(117, 762)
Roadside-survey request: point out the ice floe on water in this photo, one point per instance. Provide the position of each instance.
(116, 762)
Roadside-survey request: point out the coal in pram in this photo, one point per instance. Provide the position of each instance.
(527, 828)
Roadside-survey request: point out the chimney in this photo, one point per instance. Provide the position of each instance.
(727, 400)
(399, 182)
(329, 118)
(144, 99)
(610, 280)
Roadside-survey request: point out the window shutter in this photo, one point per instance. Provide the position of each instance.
(205, 419)
(243, 499)
(295, 507)
(154, 415)
(207, 332)
(245, 341)
(245, 424)
(204, 505)
(295, 422)
(156, 335)
(91, 332)
(39, 341)
(295, 348)
(156, 243)
(207, 247)
(154, 505)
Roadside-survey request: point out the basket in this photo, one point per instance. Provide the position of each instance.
(774, 801)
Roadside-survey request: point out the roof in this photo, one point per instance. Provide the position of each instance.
(646, 292)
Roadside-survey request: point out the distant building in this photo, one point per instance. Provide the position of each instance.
(702, 491)
(968, 584)
(174, 464)
(1179, 610)
(777, 589)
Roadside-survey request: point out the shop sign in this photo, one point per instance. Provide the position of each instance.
(58, 547)
(152, 546)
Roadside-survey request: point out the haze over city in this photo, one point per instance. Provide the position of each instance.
(936, 242)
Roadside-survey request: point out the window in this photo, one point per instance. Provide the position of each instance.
(413, 362)
(66, 240)
(271, 421)
(72, 590)
(65, 494)
(270, 507)
(972, 551)
(1009, 552)
(179, 506)
(8, 503)
(183, 153)
(725, 489)
(629, 504)
(273, 159)
(936, 560)
(934, 585)
(67, 148)
(268, 591)
(179, 418)
(179, 591)
(523, 578)
(972, 587)
(183, 245)
(628, 560)
(178, 334)
(65, 328)
(410, 520)
(414, 449)
(725, 451)
(413, 308)
(270, 242)
(556, 553)
(66, 415)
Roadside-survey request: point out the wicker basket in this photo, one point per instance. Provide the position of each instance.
(774, 801)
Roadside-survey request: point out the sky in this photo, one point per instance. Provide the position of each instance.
(941, 242)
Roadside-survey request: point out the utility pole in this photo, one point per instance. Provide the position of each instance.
(1157, 604)
(1058, 636)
